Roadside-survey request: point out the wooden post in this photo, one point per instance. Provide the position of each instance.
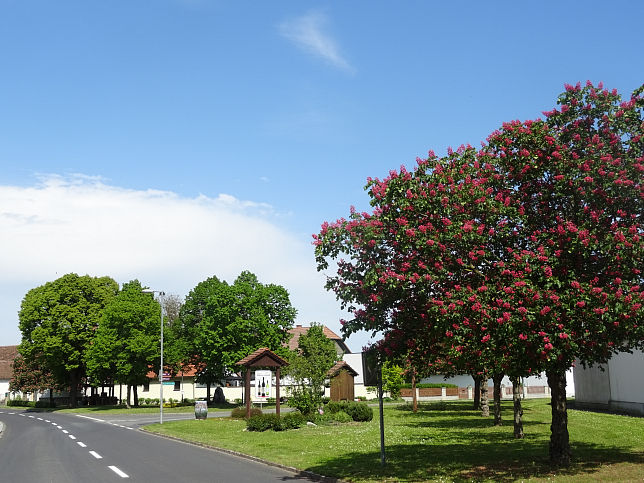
(247, 392)
(277, 391)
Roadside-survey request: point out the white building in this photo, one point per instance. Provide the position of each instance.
(618, 387)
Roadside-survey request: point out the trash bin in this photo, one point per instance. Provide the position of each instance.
(201, 410)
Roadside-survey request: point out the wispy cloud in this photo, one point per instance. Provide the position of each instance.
(85, 225)
(308, 33)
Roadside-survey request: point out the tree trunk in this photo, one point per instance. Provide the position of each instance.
(135, 389)
(477, 391)
(207, 393)
(127, 397)
(413, 392)
(485, 403)
(73, 388)
(518, 410)
(497, 378)
(559, 439)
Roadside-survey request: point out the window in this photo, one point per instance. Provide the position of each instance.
(177, 385)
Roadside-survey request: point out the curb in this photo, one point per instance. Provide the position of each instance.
(1, 428)
(308, 474)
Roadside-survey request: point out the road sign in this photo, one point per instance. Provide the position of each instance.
(168, 383)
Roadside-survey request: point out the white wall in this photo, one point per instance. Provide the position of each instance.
(619, 387)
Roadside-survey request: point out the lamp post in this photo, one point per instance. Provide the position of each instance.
(161, 294)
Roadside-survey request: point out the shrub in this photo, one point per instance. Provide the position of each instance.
(342, 417)
(262, 422)
(293, 421)
(359, 411)
(240, 412)
(20, 403)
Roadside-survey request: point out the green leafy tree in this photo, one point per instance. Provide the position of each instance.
(127, 340)
(308, 367)
(224, 323)
(392, 379)
(58, 321)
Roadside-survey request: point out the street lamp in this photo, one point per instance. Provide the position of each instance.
(161, 294)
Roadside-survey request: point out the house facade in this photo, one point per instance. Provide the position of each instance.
(7, 354)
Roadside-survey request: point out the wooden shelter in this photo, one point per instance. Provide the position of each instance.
(342, 384)
(262, 358)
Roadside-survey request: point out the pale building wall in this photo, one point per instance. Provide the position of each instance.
(619, 387)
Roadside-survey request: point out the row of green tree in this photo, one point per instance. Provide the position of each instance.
(521, 257)
(83, 330)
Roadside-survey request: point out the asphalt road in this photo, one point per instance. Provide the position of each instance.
(72, 448)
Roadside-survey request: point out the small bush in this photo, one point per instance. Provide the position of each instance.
(240, 412)
(359, 411)
(262, 422)
(294, 420)
(335, 406)
(342, 417)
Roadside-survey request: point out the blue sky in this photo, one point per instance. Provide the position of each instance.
(172, 140)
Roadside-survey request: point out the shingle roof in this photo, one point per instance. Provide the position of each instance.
(299, 330)
(340, 365)
(7, 354)
(262, 354)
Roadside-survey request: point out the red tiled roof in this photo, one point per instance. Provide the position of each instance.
(298, 330)
(7, 354)
(261, 353)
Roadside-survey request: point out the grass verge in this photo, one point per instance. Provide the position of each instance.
(442, 441)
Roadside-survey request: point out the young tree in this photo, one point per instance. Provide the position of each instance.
(58, 321)
(127, 340)
(309, 366)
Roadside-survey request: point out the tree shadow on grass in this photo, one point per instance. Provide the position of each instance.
(472, 460)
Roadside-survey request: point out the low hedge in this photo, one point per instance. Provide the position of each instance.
(264, 422)
(21, 403)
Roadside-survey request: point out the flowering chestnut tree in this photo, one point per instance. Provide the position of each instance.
(519, 258)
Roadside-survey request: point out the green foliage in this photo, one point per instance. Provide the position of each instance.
(58, 321)
(263, 422)
(359, 411)
(20, 403)
(308, 366)
(392, 379)
(222, 323)
(342, 417)
(127, 340)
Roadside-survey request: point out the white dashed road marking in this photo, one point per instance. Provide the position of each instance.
(118, 472)
(81, 444)
(65, 431)
(96, 455)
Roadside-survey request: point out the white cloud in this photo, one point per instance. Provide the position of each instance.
(81, 224)
(307, 32)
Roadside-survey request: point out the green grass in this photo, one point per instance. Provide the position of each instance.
(442, 442)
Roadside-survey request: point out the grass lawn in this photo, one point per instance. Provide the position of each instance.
(444, 441)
